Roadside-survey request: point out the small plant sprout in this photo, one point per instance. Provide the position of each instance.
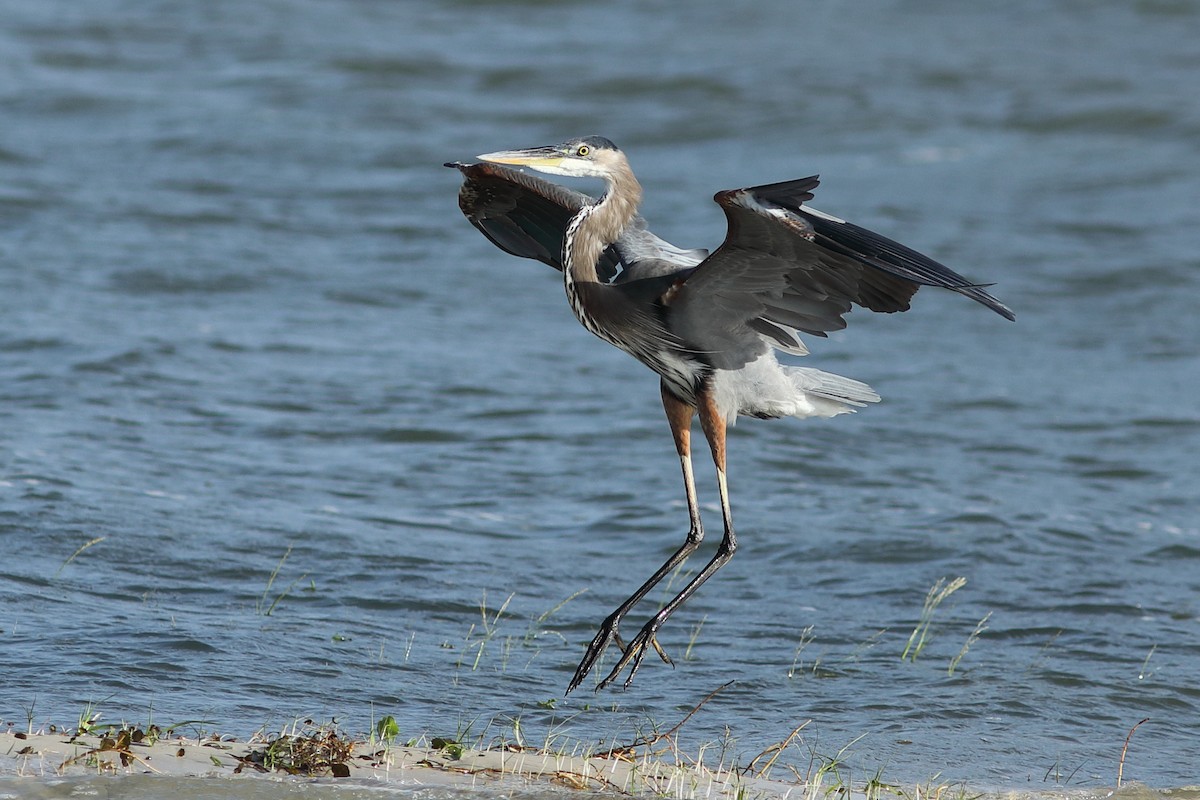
(517, 736)
(806, 638)
(537, 625)
(933, 598)
(29, 715)
(687, 653)
(79, 550)
(488, 627)
(876, 786)
(87, 719)
(935, 789)
(453, 749)
(386, 730)
(771, 754)
(861, 648)
(1145, 671)
(263, 609)
(830, 767)
(975, 634)
(1056, 768)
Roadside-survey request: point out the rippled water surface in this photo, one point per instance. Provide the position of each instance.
(241, 318)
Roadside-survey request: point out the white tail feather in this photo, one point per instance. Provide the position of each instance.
(766, 388)
(831, 394)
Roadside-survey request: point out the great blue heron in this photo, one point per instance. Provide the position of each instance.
(709, 325)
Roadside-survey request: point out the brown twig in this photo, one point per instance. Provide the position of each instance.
(618, 752)
(1124, 750)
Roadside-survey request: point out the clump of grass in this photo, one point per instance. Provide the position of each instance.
(875, 786)
(88, 717)
(487, 629)
(481, 635)
(453, 748)
(307, 749)
(806, 638)
(772, 753)
(935, 790)
(829, 768)
(933, 598)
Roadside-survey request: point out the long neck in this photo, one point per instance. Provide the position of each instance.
(598, 225)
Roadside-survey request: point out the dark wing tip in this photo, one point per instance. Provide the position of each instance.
(896, 271)
(789, 194)
(977, 293)
(888, 255)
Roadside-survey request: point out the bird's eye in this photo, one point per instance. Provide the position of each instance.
(583, 151)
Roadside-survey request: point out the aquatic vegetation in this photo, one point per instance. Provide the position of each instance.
(307, 748)
(980, 627)
(78, 550)
(920, 635)
(262, 608)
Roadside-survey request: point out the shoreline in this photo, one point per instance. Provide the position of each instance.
(43, 758)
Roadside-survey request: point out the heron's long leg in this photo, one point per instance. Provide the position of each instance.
(679, 416)
(713, 425)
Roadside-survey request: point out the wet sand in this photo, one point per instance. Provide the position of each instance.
(53, 756)
(54, 765)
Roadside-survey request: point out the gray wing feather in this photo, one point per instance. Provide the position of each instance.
(785, 266)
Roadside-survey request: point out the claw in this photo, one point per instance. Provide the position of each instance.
(661, 653)
(603, 638)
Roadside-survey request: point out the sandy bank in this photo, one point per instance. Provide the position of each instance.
(62, 756)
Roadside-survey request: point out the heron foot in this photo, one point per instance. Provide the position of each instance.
(635, 652)
(603, 638)
(609, 634)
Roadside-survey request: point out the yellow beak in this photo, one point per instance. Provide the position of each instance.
(532, 157)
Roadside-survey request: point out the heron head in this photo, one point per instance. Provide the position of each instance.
(589, 157)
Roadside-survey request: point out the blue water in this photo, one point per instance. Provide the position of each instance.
(241, 318)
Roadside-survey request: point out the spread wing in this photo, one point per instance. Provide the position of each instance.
(785, 267)
(527, 217)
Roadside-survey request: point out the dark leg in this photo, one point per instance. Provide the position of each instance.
(679, 415)
(713, 425)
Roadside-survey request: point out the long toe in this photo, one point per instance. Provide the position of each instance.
(605, 636)
(661, 653)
